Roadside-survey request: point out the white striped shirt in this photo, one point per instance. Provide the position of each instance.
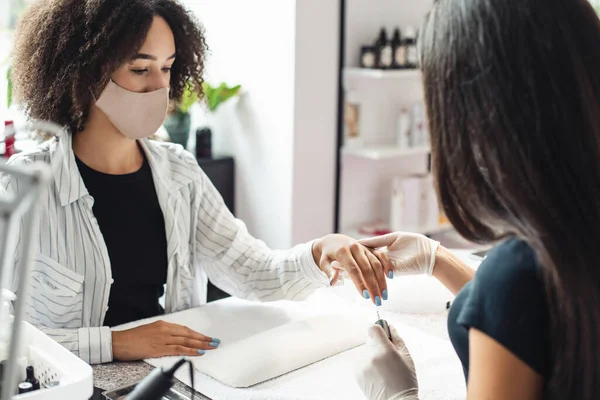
(71, 272)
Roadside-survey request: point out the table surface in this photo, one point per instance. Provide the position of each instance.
(416, 304)
(113, 375)
(432, 364)
(118, 374)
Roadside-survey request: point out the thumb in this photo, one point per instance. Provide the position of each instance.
(337, 272)
(326, 267)
(332, 269)
(397, 339)
(378, 341)
(401, 346)
(378, 241)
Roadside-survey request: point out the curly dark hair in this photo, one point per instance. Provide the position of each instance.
(67, 49)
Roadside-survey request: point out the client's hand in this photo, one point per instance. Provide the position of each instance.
(410, 253)
(159, 339)
(366, 268)
(388, 373)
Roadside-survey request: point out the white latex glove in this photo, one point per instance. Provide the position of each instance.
(388, 373)
(410, 253)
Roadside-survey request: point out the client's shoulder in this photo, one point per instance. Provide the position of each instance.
(511, 261)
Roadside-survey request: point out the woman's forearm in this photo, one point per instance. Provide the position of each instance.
(451, 271)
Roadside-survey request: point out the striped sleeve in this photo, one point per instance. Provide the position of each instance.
(244, 266)
(95, 344)
(65, 337)
(92, 345)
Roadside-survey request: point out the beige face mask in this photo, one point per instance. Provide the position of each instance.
(136, 115)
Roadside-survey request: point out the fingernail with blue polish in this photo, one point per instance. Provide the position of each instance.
(201, 352)
(214, 344)
(384, 294)
(366, 294)
(377, 301)
(391, 275)
(216, 340)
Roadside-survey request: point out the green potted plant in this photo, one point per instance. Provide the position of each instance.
(9, 88)
(178, 122)
(215, 96)
(9, 83)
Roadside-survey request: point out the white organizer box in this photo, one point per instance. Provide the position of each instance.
(52, 362)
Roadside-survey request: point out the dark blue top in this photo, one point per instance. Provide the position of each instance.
(507, 301)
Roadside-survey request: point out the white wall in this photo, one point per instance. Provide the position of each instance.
(282, 131)
(5, 48)
(5, 14)
(315, 120)
(250, 47)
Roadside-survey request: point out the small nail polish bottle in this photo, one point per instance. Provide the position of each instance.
(31, 378)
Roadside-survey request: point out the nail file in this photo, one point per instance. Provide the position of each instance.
(383, 323)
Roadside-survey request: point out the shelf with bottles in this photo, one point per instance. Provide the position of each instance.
(21, 145)
(411, 138)
(413, 207)
(16, 143)
(391, 54)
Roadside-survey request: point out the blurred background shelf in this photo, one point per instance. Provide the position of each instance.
(368, 73)
(21, 145)
(382, 108)
(384, 152)
(431, 230)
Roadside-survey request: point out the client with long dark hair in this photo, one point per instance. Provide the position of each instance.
(512, 90)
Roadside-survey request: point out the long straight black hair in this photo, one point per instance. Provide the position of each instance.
(512, 89)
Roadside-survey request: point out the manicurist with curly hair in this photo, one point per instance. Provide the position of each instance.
(125, 215)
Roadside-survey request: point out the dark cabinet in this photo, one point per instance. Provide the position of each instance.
(221, 171)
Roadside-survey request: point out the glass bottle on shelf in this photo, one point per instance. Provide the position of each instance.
(418, 133)
(384, 50)
(367, 57)
(9, 139)
(398, 51)
(404, 129)
(410, 45)
(352, 137)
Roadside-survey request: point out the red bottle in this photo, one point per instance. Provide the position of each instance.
(9, 138)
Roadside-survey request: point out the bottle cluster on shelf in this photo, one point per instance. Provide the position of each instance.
(413, 208)
(414, 204)
(411, 127)
(397, 52)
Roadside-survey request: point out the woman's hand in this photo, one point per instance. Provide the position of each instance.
(159, 339)
(367, 269)
(410, 253)
(388, 372)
